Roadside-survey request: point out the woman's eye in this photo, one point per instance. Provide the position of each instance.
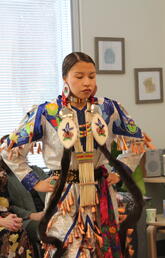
(92, 77)
(79, 77)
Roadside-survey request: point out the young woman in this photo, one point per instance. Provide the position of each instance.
(76, 131)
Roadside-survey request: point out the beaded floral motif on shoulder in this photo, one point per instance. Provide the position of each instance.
(51, 114)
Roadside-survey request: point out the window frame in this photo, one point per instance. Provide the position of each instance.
(75, 25)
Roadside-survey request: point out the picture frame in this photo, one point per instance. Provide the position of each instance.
(148, 85)
(110, 55)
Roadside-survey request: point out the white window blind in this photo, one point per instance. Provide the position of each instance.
(35, 35)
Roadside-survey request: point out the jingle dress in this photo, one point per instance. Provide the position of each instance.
(86, 231)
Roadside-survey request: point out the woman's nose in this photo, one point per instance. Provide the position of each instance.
(86, 81)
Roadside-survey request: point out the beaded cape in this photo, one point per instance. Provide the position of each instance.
(81, 230)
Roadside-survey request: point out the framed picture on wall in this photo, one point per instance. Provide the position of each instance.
(110, 55)
(148, 85)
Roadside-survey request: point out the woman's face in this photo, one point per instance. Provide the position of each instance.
(81, 79)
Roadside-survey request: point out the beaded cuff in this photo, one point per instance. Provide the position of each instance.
(30, 180)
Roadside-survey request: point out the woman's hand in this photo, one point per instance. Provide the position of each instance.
(11, 222)
(45, 185)
(113, 178)
(36, 215)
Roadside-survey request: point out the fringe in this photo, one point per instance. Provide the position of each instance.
(52, 206)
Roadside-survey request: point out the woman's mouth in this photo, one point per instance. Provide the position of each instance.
(87, 91)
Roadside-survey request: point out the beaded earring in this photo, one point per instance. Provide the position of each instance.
(65, 93)
(66, 90)
(67, 129)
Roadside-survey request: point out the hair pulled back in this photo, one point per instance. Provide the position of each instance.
(73, 58)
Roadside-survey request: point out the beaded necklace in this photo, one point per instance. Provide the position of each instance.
(70, 134)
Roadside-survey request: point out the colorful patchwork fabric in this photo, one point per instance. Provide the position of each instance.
(23, 135)
(51, 113)
(107, 109)
(125, 125)
(30, 129)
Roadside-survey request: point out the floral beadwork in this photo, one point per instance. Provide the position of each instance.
(131, 127)
(67, 132)
(85, 129)
(55, 122)
(100, 128)
(52, 109)
(52, 114)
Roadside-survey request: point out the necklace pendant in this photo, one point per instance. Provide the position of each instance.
(99, 129)
(67, 132)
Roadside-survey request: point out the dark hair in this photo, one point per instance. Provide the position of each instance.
(52, 206)
(3, 138)
(136, 208)
(125, 174)
(73, 58)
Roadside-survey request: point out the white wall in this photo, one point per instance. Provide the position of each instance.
(142, 24)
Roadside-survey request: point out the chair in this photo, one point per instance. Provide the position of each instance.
(152, 230)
